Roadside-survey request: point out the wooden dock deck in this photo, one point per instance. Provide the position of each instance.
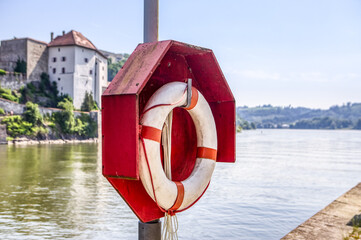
(330, 222)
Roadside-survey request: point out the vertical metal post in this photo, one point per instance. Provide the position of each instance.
(151, 20)
(150, 230)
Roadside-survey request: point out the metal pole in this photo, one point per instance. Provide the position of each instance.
(150, 20)
(150, 230)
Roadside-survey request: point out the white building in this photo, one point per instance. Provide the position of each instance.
(78, 67)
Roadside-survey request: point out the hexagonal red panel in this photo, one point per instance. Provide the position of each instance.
(150, 66)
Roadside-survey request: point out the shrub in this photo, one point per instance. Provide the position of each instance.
(65, 119)
(9, 97)
(8, 94)
(32, 114)
(15, 126)
(355, 234)
(2, 72)
(5, 91)
(20, 66)
(2, 112)
(86, 126)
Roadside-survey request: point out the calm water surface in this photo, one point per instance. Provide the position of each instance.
(280, 179)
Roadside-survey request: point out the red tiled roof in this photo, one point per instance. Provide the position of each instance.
(73, 38)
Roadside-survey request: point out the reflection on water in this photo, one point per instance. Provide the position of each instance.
(57, 192)
(281, 178)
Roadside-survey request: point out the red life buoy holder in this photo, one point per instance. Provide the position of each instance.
(172, 195)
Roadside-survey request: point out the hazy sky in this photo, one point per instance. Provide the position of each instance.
(286, 52)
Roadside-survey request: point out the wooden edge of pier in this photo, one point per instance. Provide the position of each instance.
(330, 222)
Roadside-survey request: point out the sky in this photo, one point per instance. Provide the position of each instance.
(280, 52)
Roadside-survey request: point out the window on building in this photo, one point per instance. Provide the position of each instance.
(61, 88)
(103, 77)
(86, 60)
(91, 72)
(58, 79)
(63, 70)
(63, 59)
(103, 67)
(58, 49)
(54, 70)
(54, 59)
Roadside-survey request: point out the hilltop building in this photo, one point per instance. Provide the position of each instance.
(71, 60)
(77, 66)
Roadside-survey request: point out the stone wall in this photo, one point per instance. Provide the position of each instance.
(11, 51)
(3, 134)
(9, 106)
(37, 59)
(13, 81)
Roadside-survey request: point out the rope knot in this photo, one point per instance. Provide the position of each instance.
(171, 212)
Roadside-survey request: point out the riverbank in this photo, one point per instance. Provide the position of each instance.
(25, 141)
(332, 222)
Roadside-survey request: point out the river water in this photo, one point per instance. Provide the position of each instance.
(280, 179)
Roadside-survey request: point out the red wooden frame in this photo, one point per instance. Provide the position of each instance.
(150, 66)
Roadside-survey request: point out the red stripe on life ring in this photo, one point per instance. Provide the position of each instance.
(194, 99)
(209, 153)
(179, 200)
(151, 133)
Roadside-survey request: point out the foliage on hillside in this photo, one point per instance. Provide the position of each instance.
(9, 95)
(62, 124)
(336, 117)
(44, 92)
(29, 124)
(322, 123)
(242, 124)
(113, 68)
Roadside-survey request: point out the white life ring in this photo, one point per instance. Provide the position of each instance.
(172, 195)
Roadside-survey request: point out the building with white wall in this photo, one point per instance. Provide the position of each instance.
(77, 67)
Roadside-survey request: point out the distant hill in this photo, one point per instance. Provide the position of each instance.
(268, 116)
(115, 62)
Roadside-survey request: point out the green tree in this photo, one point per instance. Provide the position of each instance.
(65, 119)
(32, 114)
(20, 66)
(88, 103)
(358, 125)
(113, 68)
